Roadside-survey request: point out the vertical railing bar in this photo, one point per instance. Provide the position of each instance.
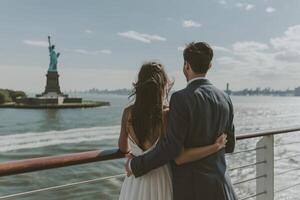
(265, 184)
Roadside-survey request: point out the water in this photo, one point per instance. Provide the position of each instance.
(34, 133)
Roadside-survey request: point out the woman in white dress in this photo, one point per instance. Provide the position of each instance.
(143, 124)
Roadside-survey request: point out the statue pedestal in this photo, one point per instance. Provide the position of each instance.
(52, 86)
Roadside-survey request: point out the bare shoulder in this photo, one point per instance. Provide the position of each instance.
(127, 110)
(127, 113)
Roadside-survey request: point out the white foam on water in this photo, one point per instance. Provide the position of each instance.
(30, 140)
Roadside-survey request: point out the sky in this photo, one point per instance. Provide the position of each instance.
(103, 43)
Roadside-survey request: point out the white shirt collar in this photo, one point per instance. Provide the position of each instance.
(194, 79)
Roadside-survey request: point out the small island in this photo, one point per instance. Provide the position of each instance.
(52, 97)
(13, 99)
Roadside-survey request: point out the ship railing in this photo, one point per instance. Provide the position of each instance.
(263, 164)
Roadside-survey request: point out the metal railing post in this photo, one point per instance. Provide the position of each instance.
(265, 185)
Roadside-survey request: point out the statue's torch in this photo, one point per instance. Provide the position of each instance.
(49, 41)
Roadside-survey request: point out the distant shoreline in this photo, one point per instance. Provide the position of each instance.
(244, 92)
(85, 104)
(9, 99)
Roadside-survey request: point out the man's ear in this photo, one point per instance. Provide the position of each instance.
(188, 66)
(210, 65)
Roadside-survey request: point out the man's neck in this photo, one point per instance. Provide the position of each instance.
(196, 76)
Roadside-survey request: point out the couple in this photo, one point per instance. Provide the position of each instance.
(178, 152)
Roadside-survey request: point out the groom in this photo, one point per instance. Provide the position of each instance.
(198, 113)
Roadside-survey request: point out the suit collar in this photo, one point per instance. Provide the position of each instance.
(198, 82)
(195, 79)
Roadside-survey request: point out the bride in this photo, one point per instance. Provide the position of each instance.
(143, 124)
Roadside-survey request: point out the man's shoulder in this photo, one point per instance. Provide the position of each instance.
(183, 91)
(181, 94)
(222, 94)
(207, 90)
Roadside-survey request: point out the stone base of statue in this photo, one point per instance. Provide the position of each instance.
(52, 88)
(52, 84)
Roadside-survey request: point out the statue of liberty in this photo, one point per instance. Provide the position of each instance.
(53, 57)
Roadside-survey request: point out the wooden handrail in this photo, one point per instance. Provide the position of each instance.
(266, 133)
(49, 162)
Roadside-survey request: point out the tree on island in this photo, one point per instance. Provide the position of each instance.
(2, 98)
(7, 95)
(15, 94)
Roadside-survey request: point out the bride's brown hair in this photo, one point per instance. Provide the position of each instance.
(150, 91)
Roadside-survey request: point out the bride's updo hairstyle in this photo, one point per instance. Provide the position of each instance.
(150, 92)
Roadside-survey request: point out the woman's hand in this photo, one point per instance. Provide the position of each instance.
(221, 141)
(197, 153)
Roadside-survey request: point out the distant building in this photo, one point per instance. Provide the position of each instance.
(227, 89)
(297, 91)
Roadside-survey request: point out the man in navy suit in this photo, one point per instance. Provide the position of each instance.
(198, 114)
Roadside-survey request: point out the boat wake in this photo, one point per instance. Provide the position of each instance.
(12, 142)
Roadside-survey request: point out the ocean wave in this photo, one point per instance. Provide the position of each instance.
(30, 140)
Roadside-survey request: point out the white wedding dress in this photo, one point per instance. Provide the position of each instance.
(155, 185)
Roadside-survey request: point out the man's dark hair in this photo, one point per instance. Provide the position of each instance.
(199, 56)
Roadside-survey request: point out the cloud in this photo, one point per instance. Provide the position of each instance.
(88, 31)
(223, 2)
(87, 52)
(288, 56)
(226, 60)
(245, 6)
(290, 41)
(249, 6)
(191, 24)
(248, 54)
(256, 64)
(83, 51)
(37, 43)
(142, 37)
(249, 46)
(288, 45)
(270, 9)
(242, 5)
(221, 49)
(180, 48)
(106, 51)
